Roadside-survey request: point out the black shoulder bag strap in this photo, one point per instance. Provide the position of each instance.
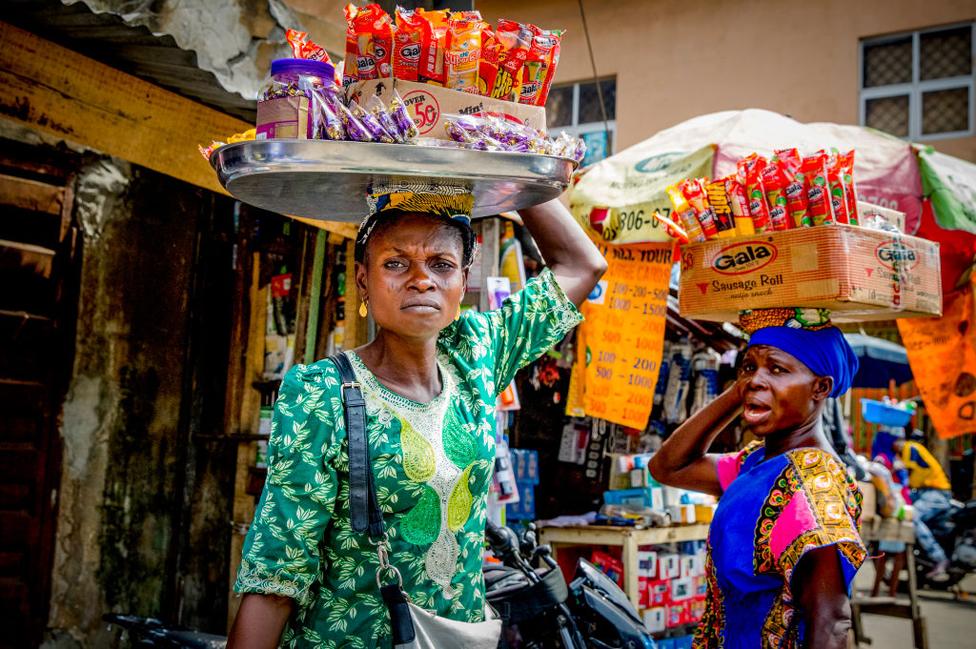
(364, 510)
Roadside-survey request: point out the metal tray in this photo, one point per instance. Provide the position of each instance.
(324, 179)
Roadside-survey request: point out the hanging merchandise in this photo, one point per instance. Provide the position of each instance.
(676, 393)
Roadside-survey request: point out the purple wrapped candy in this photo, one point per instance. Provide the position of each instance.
(371, 124)
(378, 110)
(354, 128)
(328, 124)
(401, 117)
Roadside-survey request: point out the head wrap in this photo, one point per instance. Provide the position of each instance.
(453, 203)
(808, 336)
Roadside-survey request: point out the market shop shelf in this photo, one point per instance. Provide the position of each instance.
(323, 179)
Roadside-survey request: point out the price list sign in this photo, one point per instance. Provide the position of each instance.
(621, 341)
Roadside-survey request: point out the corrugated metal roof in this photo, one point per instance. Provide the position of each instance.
(134, 50)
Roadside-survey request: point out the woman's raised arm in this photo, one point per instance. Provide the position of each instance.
(574, 260)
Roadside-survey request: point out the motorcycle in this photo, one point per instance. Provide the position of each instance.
(955, 531)
(539, 610)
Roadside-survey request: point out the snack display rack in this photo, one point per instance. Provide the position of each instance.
(324, 179)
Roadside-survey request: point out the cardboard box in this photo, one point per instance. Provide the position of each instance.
(682, 589)
(428, 104)
(678, 614)
(647, 564)
(658, 592)
(656, 619)
(867, 211)
(857, 273)
(668, 565)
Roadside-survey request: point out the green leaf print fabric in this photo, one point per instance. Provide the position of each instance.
(433, 466)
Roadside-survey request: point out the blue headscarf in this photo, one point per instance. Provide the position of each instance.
(825, 351)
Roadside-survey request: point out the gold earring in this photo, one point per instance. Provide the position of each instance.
(458, 316)
(363, 311)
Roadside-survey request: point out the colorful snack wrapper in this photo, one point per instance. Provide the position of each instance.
(838, 197)
(432, 69)
(775, 182)
(721, 206)
(371, 124)
(408, 42)
(354, 128)
(302, 48)
(846, 165)
(372, 31)
(797, 202)
(401, 117)
(567, 146)
(684, 214)
(693, 189)
(514, 41)
(350, 74)
(739, 202)
(385, 120)
(534, 68)
(819, 206)
(463, 51)
(329, 120)
(551, 63)
(488, 63)
(751, 170)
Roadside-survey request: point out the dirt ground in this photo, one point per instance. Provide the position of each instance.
(951, 621)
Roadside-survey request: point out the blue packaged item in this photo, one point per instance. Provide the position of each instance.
(532, 467)
(640, 497)
(524, 509)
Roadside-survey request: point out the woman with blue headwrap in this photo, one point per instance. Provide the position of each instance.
(784, 544)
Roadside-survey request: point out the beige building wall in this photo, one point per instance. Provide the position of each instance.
(675, 59)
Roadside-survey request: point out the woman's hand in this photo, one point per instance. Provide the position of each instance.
(260, 621)
(569, 253)
(683, 460)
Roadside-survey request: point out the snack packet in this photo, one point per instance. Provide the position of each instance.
(774, 183)
(796, 188)
(302, 48)
(468, 131)
(408, 41)
(385, 120)
(567, 146)
(719, 201)
(739, 202)
(371, 124)
(354, 128)
(432, 69)
(838, 198)
(488, 63)
(846, 164)
(693, 189)
(514, 41)
(372, 30)
(819, 206)
(549, 69)
(534, 69)
(401, 117)
(750, 170)
(350, 74)
(684, 214)
(329, 125)
(463, 51)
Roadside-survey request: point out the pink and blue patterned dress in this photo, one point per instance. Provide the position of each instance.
(772, 512)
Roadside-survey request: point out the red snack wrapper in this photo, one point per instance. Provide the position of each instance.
(790, 164)
(488, 63)
(373, 31)
(750, 169)
(720, 204)
(694, 192)
(552, 62)
(774, 182)
(514, 41)
(838, 198)
(739, 202)
(408, 41)
(846, 165)
(349, 72)
(302, 48)
(819, 207)
(535, 70)
(684, 215)
(432, 69)
(463, 51)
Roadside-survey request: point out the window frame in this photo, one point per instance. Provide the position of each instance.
(916, 88)
(576, 129)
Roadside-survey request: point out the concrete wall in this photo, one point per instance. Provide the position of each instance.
(676, 59)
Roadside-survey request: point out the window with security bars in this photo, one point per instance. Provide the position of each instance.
(575, 108)
(920, 85)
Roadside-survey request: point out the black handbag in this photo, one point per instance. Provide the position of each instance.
(412, 626)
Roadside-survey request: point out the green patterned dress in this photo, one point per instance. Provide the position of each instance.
(433, 467)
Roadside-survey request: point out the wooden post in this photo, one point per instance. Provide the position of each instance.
(315, 297)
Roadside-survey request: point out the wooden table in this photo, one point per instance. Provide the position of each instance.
(628, 538)
(889, 529)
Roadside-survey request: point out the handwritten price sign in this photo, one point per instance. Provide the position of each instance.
(622, 338)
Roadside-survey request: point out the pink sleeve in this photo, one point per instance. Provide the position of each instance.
(727, 467)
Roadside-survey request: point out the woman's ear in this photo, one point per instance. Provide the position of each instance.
(822, 387)
(361, 277)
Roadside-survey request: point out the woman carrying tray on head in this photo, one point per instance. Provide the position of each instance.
(430, 380)
(784, 544)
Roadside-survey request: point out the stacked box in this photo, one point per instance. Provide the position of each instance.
(525, 467)
(857, 273)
